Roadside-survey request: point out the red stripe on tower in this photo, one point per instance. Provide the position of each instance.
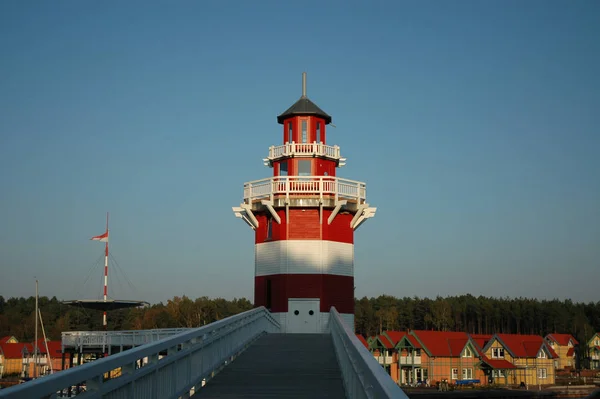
(304, 218)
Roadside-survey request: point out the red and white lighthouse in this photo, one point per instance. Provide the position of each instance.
(304, 218)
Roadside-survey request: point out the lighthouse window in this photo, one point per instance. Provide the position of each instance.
(318, 132)
(304, 136)
(269, 228)
(304, 168)
(290, 138)
(283, 168)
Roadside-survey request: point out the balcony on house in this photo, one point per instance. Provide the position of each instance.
(384, 359)
(408, 360)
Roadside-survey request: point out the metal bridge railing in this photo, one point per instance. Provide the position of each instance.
(363, 376)
(175, 367)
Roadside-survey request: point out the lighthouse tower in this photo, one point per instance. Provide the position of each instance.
(304, 218)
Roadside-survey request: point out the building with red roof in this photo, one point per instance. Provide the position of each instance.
(9, 339)
(564, 346)
(48, 361)
(11, 357)
(531, 359)
(409, 352)
(449, 356)
(362, 340)
(384, 351)
(461, 358)
(594, 351)
(18, 358)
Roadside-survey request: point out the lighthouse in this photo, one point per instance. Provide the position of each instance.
(304, 217)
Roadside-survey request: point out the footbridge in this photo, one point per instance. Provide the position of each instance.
(245, 355)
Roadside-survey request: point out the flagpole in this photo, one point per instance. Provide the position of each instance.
(35, 342)
(105, 274)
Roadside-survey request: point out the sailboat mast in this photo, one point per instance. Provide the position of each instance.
(35, 343)
(105, 274)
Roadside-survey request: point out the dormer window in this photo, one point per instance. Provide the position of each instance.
(542, 354)
(498, 353)
(467, 352)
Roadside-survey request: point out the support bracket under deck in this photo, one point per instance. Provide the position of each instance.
(338, 206)
(364, 212)
(269, 205)
(244, 212)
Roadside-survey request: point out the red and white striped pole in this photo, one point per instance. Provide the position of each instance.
(105, 272)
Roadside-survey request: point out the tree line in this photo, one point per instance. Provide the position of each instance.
(17, 315)
(476, 315)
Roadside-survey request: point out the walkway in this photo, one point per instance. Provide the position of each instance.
(281, 366)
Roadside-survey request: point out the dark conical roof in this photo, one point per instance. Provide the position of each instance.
(304, 107)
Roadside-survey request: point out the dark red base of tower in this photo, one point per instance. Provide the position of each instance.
(273, 291)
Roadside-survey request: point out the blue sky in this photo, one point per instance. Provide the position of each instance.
(474, 124)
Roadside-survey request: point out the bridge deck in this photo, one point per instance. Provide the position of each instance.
(281, 366)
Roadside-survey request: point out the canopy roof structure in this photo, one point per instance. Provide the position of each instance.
(109, 304)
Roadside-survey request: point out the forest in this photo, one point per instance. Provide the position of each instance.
(481, 315)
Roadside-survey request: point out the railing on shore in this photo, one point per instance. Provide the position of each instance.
(363, 376)
(188, 358)
(318, 186)
(80, 341)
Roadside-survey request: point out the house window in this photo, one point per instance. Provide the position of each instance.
(542, 373)
(318, 132)
(283, 168)
(290, 130)
(597, 342)
(467, 353)
(498, 353)
(467, 374)
(417, 352)
(497, 373)
(542, 354)
(418, 374)
(304, 168)
(454, 374)
(304, 133)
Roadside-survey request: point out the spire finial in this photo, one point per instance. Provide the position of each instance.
(303, 84)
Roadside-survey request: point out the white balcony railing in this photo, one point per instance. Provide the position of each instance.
(384, 359)
(320, 186)
(410, 360)
(304, 150)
